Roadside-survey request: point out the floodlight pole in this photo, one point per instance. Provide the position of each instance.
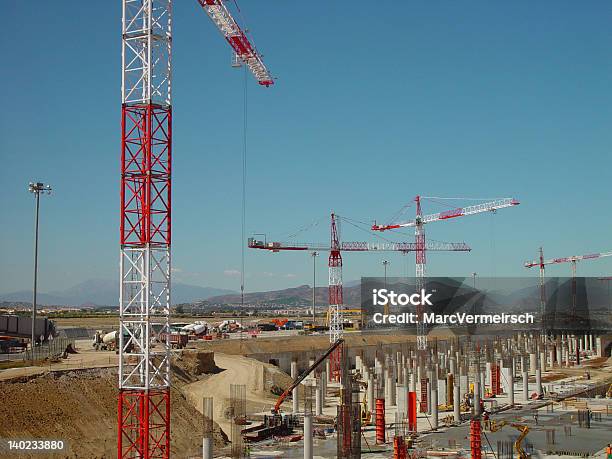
(36, 188)
(314, 287)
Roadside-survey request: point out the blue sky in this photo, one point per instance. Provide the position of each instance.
(374, 103)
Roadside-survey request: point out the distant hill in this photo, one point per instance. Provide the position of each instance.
(295, 296)
(104, 292)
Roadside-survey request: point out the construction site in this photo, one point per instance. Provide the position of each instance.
(412, 366)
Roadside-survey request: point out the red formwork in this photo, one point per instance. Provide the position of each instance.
(399, 448)
(423, 407)
(335, 364)
(412, 411)
(495, 380)
(475, 439)
(144, 424)
(380, 421)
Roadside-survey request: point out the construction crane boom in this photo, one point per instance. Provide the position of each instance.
(419, 223)
(491, 206)
(244, 50)
(572, 259)
(359, 246)
(303, 376)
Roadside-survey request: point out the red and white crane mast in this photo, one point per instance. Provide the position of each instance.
(145, 229)
(335, 298)
(421, 247)
(145, 220)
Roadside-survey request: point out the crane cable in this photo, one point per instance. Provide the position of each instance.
(243, 216)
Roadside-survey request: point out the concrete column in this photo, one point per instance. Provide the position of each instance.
(358, 363)
(533, 362)
(510, 375)
(307, 436)
(463, 385)
(434, 405)
(456, 403)
(591, 342)
(482, 385)
(442, 395)
(412, 382)
(392, 400)
(487, 374)
(324, 382)
(399, 364)
(551, 358)
(453, 365)
(477, 397)
(598, 347)
(207, 448)
(402, 400)
(539, 381)
(429, 389)
(370, 395)
(294, 392)
(525, 386)
(559, 355)
(318, 400)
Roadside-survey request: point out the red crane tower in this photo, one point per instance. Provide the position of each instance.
(573, 259)
(145, 228)
(335, 247)
(419, 236)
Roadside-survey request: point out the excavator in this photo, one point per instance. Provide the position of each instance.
(523, 429)
(303, 376)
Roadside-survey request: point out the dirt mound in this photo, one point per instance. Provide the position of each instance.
(260, 379)
(80, 407)
(196, 363)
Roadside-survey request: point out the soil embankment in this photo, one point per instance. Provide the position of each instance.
(258, 378)
(80, 407)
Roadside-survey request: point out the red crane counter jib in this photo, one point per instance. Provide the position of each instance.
(237, 39)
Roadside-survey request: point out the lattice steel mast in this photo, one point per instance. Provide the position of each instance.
(145, 228)
(146, 164)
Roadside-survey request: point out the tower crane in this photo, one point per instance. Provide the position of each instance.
(335, 248)
(419, 223)
(541, 263)
(145, 216)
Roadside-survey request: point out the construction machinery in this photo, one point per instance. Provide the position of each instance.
(296, 382)
(105, 341)
(419, 235)
(522, 428)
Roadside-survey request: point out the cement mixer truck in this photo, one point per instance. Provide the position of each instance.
(103, 341)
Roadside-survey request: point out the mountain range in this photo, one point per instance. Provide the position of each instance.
(295, 296)
(104, 292)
